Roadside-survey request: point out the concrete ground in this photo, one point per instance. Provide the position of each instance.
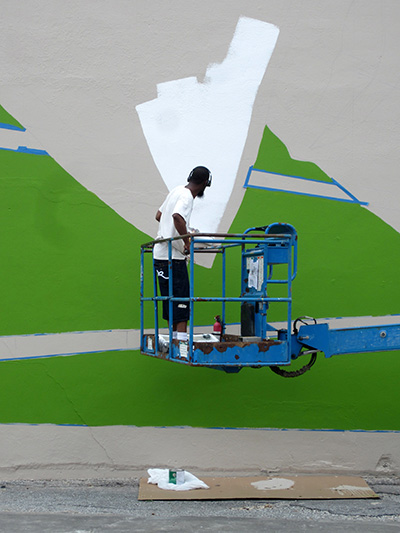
(112, 505)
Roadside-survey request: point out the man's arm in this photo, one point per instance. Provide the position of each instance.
(158, 216)
(180, 225)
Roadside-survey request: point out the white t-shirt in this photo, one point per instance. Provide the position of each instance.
(179, 200)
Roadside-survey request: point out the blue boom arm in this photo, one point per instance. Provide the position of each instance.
(346, 340)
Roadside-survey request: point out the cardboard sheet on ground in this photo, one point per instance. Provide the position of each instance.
(266, 488)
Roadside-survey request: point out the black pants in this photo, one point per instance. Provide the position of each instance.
(180, 287)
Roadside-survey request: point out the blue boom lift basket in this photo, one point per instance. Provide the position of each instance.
(268, 268)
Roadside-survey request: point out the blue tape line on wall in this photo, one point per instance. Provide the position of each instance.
(334, 183)
(5, 126)
(26, 150)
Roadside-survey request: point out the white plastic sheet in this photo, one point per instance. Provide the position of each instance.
(160, 477)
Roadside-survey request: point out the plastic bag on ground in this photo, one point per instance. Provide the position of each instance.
(160, 477)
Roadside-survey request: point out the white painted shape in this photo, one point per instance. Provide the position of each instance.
(304, 186)
(13, 139)
(276, 483)
(192, 123)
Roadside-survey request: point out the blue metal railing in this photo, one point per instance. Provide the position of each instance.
(252, 246)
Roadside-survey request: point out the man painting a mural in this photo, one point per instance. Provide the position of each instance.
(105, 109)
(174, 218)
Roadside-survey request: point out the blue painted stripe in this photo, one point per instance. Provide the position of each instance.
(306, 194)
(25, 150)
(333, 182)
(5, 126)
(325, 430)
(251, 168)
(348, 192)
(370, 431)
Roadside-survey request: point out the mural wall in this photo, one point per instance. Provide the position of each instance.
(105, 106)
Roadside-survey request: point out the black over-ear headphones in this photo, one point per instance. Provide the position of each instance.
(209, 180)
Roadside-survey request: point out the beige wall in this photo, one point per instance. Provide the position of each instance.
(73, 73)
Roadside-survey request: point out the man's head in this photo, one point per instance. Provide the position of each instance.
(200, 178)
(199, 175)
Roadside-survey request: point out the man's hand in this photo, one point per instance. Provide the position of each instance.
(186, 246)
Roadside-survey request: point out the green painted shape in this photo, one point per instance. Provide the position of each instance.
(68, 261)
(273, 156)
(6, 118)
(347, 392)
